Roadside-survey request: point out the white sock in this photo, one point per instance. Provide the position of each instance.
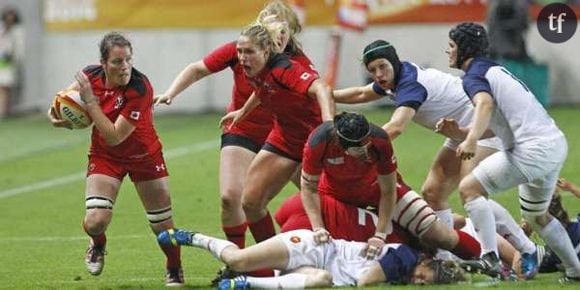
(507, 227)
(557, 239)
(446, 216)
(484, 222)
(213, 245)
(288, 281)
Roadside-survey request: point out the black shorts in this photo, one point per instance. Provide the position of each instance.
(229, 139)
(271, 148)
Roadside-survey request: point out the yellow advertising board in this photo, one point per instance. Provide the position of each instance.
(70, 15)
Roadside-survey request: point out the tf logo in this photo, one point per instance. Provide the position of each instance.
(557, 22)
(295, 239)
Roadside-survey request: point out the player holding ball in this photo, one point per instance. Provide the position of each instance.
(119, 100)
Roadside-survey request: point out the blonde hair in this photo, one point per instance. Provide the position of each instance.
(279, 10)
(261, 37)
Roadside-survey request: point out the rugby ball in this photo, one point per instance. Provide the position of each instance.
(69, 106)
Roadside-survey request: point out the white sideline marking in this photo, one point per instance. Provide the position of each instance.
(169, 154)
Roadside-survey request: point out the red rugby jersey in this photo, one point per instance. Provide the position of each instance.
(135, 103)
(283, 88)
(348, 179)
(258, 123)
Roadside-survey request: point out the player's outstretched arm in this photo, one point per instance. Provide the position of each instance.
(399, 121)
(234, 117)
(189, 75)
(566, 185)
(356, 95)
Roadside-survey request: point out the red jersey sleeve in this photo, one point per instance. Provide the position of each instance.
(303, 60)
(139, 96)
(293, 75)
(313, 155)
(93, 71)
(222, 57)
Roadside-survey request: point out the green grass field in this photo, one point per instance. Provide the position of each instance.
(42, 244)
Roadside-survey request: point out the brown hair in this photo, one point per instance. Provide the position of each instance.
(446, 272)
(10, 11)
(110, 40)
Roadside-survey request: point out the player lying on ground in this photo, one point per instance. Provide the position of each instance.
(352, 223)
(304, 264)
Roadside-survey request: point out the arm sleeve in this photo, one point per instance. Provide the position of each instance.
(221, 58)
(411, 95)
(313, 156)
(295, 77)
(473, 84)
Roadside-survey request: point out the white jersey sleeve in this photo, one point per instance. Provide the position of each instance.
(432, 93)
(518, 116)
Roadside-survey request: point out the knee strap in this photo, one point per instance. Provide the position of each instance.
(98, 202)
(160, 215)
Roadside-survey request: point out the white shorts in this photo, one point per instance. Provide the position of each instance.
(302, 250)
(341, 258)
(534, 166)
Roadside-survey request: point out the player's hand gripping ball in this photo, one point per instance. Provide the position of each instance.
(69, 106)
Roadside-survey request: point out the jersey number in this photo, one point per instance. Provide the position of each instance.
(516, 79)
(362, 217)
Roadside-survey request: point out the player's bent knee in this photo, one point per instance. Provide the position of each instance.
(231, 201)
(236, 263)
(252, 206)
(95, 224)
(467, 191)
(321, 278)
(98, 212)
(434, 198)
(440, 236)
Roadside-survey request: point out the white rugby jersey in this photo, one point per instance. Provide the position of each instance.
(344, 259)
(346, 264)
(432, 93)
(518, 117)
